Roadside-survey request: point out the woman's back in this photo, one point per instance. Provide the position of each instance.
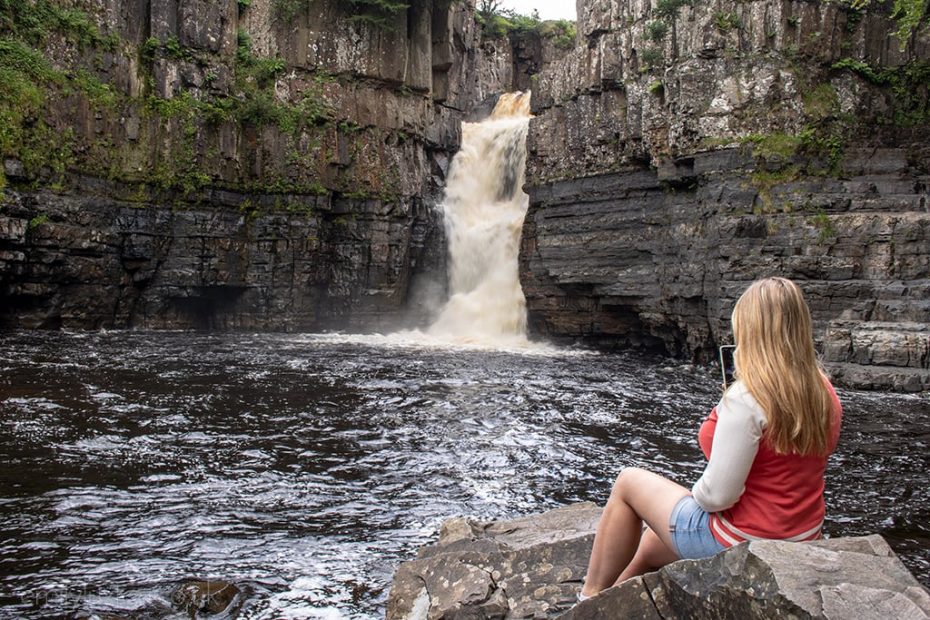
(782, 496)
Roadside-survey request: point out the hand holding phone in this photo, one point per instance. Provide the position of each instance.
(727, 364)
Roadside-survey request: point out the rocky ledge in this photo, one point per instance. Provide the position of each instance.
(533, 567)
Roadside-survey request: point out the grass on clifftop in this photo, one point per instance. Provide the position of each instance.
(497, 23)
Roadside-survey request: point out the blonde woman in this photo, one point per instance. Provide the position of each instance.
(766, 441)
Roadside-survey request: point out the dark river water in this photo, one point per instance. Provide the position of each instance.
(305, 468)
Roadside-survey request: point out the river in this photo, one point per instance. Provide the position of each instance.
(305, 468)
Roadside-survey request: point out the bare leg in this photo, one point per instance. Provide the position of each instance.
(651, 554)
(637, 496)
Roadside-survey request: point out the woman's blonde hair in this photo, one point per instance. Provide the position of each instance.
(775, 360)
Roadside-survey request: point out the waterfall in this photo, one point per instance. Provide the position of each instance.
(484, 208)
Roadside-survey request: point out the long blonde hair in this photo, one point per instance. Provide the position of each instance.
(775, 360)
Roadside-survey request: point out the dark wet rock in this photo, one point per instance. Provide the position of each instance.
(206, 597)
(533, 568)
(91, 262)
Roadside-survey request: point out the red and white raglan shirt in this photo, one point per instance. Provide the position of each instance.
(751, 491)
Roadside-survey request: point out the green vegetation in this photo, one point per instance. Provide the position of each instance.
(148, 50)
(656, 31)
(822, 222)
(668, 9)
(377, 13)
(764, 181)
(910, 15)
(41, 138)
(651, 57)
(909, 83)
(725, 22)
(497, 23)
(781, 149)
(656, 87)
(259, 105)
(775, 147)
(665, 12)
(33, 22)
(37, 221)
(99, 94)
(821, 102)
(561, 31)
(24, 133)
(174, 50)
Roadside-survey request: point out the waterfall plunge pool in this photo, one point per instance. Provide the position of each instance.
(305, 468)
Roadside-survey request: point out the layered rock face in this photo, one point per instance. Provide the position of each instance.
(686, 151)
(533, 568)
(99, 262)
(252, 165)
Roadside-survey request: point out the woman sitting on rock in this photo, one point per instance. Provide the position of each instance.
(766, 442)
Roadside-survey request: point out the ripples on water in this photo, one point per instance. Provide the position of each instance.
(307, 467)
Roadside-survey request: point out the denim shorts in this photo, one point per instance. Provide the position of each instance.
(689, 526)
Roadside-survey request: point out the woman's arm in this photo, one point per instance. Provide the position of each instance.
(740, 423)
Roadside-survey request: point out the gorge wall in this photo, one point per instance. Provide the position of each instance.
(275, 164)
(264, 164)
(683, 150)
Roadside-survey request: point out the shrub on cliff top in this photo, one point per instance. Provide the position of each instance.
(910, 15)
(656, 30)
(668, 9)
(34, 21)
(377, 13)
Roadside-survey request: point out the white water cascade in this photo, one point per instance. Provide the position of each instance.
(484, 208)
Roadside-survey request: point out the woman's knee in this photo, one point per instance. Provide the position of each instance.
(625, 479)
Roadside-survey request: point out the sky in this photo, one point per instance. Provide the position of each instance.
(548, 9)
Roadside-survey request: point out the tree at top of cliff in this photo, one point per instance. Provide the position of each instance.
(910, 15)
(380, 13)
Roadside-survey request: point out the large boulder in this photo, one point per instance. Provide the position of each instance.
(524, 568)
(533, 567)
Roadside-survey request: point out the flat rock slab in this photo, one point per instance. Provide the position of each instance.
(525, 568)
(533, 568)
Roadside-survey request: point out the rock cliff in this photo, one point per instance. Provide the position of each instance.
(687, 149)
(533, 568)
(263, 164)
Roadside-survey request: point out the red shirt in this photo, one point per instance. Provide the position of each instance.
(783, 496)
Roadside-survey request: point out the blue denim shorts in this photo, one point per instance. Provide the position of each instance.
(689, 526)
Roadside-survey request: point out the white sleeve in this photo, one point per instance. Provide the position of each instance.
(740, 423)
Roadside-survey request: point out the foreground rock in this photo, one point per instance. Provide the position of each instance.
(515, 569)
(533, 568)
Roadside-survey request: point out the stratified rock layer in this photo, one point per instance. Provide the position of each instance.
(97, 262)
(533, 567)
(629, 258)
(683, 153)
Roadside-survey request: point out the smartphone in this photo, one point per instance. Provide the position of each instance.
(727, 365)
